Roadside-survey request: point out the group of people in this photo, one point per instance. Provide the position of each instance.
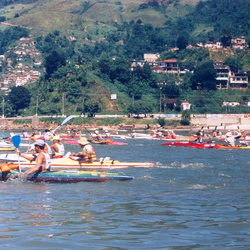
(230, 137)
(42, 153)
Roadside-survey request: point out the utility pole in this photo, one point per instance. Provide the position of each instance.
(63, 98)
(36, 105)
(3, 108)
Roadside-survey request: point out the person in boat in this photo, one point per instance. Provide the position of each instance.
(47, 148)
(96, 136)
(107, 134)
(230, 139)
(43, 161)
(199, 136)
(88, 153)
(158, 134)
(58, 147)
(172, 134)
(47, 134)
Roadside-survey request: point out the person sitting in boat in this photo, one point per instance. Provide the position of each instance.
(159, 134)
(43, 161)
(88, 153)
(96, 136)
(230, 139)
(172, 134)
(107, 134)
(58, 147)
(199, 136)
(47, 148)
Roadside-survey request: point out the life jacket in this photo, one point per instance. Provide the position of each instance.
(89, 154)
(46, 166)
(61, 150)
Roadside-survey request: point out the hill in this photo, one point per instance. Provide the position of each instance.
(95, 18)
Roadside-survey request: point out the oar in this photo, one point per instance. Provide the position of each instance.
(64, 122)
(16, 139)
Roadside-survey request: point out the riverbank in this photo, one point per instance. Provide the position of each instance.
(110, 124)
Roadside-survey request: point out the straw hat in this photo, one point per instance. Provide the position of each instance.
(56, 137)
(83, 141)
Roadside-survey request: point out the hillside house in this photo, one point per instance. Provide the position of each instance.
(169, 66)
(238, 42)
(222, 75)
(149, 57)
(185, 105)
(231, 104)
(238, 80)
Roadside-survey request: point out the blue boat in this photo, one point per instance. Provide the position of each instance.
(69, 176)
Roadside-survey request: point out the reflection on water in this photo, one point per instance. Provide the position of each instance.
(193, 198)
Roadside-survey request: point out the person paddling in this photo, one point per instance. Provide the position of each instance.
(58, 147)
(43, 161)
(88, 153)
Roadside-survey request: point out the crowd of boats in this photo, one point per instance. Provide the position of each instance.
(67, 168)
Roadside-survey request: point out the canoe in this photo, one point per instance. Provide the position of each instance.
(108, 142)
(190, 144)
(205, 145)
(77, 163)
(69, 176)
(7, 149)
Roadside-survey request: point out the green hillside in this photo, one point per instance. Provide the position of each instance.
(91, 17)
(87, 48)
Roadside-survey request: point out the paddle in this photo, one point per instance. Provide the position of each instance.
(64, 122)
(16, 139)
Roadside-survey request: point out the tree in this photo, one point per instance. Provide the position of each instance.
(54, 61)
(204, 77)
(181, 42)
(185, 118)
(91, 107)
(140, 107)
(19, 98)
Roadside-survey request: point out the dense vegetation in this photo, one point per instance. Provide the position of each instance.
(80, 77)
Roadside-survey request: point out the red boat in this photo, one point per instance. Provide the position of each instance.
(205, 145)
(191, 144)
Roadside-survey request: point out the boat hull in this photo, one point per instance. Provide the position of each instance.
(67, 176)
(75, 163)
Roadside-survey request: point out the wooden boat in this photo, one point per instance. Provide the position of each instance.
(69, 176)
(77, 163)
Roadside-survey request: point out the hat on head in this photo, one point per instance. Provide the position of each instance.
(83, 141)
(97, 132)
(106, 131)
(56, 137)
(39, 143)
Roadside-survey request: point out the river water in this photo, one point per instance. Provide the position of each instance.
(192, 199)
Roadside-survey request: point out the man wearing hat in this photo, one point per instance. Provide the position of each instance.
(58, 147)
(43, 161)
(88, 152)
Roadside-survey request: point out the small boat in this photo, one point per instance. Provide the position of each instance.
(69, 176)
(108, 142)
(190, 144)
(205, 145)
(7, 149)
(77, 163)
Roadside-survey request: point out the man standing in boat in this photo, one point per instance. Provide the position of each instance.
(88, 153)
(42, 159)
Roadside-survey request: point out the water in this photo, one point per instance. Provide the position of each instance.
(192, 199)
